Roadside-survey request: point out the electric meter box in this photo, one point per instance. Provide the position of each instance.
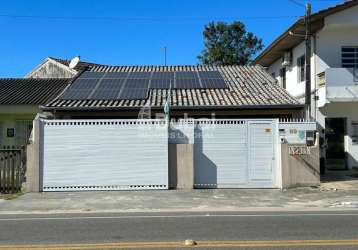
(297, 132)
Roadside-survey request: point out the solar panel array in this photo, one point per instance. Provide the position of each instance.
(135, 85)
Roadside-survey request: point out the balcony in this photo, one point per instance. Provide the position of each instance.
(338, 85)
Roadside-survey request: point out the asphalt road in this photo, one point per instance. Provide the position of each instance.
(314, 230)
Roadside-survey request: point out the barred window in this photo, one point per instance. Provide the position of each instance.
(350, 57)
(301, 68)
(283, 77)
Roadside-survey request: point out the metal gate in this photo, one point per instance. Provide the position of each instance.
(104, 154)
(235, 153)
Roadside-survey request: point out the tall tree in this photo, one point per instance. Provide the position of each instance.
(228, 44)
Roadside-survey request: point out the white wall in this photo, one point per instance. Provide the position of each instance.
(275, 68)
(341, 29)
(294, 87)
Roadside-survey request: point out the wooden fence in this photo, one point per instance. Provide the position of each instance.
(12, 169)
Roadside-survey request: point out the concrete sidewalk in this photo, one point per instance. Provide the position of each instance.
(299, 199)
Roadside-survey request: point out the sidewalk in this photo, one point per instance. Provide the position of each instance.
(300, 199)
(339, 190)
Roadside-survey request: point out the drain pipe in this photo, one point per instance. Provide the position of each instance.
(315, 75)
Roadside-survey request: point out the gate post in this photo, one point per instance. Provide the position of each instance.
(33, 159)
(181, 155)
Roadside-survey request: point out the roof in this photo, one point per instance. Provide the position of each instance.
(286, 41)
(80, 66)
(249, 87)
(30, 91)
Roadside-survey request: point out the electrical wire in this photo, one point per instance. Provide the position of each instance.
(126, 19)
(297, 3)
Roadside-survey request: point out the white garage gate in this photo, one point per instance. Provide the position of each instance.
(104, 154)
(235, 153)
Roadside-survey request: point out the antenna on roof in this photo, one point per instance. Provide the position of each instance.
(165, 55)
(74, 62)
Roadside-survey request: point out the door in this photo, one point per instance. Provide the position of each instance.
(334, 134)
(235, 154)
(261, 153)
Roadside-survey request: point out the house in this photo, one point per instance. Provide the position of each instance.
(57, 68)
(249, 91)
(334, 76)
(106, 122)
(20, 98)
(19, 104)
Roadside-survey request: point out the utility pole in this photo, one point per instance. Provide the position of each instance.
(308, 62)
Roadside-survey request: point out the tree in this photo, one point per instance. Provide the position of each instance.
(228, 44)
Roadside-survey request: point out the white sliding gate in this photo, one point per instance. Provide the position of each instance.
(104, 154)
(235, 153)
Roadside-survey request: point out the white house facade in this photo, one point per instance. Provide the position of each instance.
(334, 77)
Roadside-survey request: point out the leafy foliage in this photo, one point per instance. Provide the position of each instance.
(228, 44)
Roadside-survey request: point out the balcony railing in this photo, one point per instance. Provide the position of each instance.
(338, 85)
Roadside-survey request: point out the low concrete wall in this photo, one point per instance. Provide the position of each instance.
(181, 166)
(300, 169)
(33, 161)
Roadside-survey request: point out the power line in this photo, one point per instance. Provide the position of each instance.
(141, 19)
(297, 3)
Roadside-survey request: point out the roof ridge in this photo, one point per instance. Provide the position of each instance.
(60, 60)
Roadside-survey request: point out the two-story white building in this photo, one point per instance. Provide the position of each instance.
(334, 76)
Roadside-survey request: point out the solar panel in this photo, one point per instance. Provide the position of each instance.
(133, 94)
(115, 75)
(91, 75)
(163, 75)
(80, 89)
(135, 89)
(187, 83)
(139, 75)
(186, 80)
(162, 80)
(137, 83)
(186, 74)
(161, 83)
(213, 83)
(209, 74)
(212, 80)
(134, 85)
(108, 89)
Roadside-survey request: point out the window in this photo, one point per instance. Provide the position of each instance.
(283, 77)
(23, 130)
(350, 57)
(301, 69)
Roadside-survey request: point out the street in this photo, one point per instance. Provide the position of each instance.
(278, 230)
